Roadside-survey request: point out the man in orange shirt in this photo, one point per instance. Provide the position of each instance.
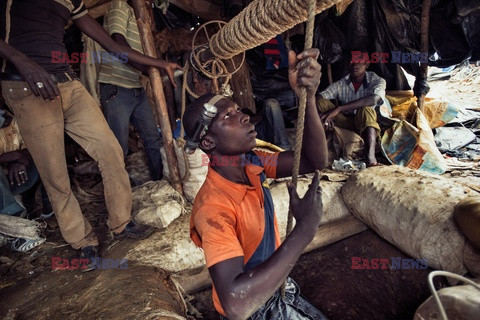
(233, 219)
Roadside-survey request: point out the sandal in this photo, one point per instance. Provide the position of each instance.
(24, 245)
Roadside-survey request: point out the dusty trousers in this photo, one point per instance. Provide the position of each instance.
(42, 124)
(365, 117)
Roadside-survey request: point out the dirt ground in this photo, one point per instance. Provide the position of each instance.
(327, 280)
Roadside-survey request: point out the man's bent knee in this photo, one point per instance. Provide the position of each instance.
(324, 105)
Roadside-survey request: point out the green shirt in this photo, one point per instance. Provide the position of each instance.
(120, 18)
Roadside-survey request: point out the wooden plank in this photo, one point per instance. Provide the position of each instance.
(335, 231)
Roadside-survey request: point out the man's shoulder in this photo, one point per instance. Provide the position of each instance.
(342, 81)
(119, 5)
(373, 76)
(210, 194)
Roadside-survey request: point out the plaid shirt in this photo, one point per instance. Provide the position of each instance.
(344, 92)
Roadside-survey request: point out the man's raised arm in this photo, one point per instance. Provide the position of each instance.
(304, 71)
(94, 30)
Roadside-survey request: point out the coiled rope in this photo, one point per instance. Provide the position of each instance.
(261, 21)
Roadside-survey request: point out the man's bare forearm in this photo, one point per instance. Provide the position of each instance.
(94, 30)
(10, 53)
(251, 290)
(314, 147)
(371, 100)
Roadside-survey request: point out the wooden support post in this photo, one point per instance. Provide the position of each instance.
(329, 73)
(144, 22)
(241, 85)
(424, 27)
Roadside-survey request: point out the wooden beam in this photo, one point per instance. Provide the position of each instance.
(205, 9)
(144, 23)
(326, 234)
(424, 46)
(335, 231)
(241, 85)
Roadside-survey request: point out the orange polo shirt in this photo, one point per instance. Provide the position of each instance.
(228, 218)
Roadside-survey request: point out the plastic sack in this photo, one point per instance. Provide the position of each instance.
(466, 7)
(447, 38)
(437, 111)
(348, 165)
(460, 303)
(193, 169)
(329, 39)
(471, 28)
(156, 204)
(413, 146)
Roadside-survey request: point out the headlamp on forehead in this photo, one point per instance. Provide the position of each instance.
(208, 113)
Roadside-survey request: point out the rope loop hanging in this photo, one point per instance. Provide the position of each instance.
(301, 113)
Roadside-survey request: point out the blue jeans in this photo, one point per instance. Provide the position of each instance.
(272, 126)
(122, 105)
(293, 307)
(8, 204)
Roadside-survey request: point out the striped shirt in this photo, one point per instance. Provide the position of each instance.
(120, 19)
(36, 28)
(344, 92)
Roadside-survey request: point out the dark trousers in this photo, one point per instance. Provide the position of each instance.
(293, 307)
(122, 106)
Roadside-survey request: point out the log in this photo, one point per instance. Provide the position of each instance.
(144, 23)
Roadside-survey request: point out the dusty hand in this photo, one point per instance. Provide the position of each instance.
(170, 68)
(309, 210)
(38, 79)
(17, 173)
(327, 118)
(304, 70)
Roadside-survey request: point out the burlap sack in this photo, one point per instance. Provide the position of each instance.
(193, 169)
(414, 211)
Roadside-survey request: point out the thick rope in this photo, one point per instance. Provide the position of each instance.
(261, 21)
(301, 113)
